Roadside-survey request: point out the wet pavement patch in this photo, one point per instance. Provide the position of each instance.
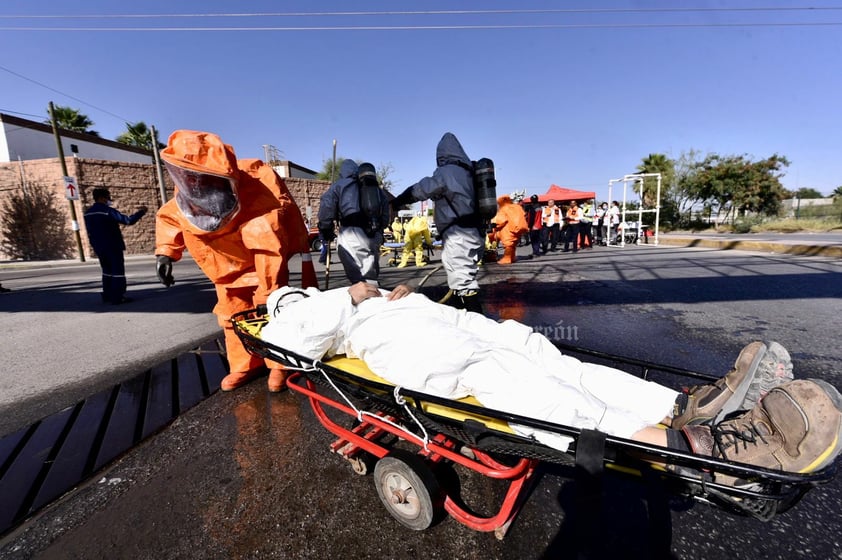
(41, 462)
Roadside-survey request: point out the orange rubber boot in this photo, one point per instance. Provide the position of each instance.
(277, 380)
(235, 380)
(509, 255)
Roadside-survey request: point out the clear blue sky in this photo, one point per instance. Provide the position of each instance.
(572, 98)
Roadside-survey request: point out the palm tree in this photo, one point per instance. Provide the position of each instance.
(138, 135)
(837, 193)
(654, 163)
(69, 118)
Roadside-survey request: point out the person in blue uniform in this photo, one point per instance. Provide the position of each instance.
(102, 222)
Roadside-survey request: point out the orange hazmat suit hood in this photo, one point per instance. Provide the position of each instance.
(200, 151)
(205, 172)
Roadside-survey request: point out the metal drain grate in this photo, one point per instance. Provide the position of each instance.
(40, 463)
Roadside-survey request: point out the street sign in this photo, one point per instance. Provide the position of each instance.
(71, 191)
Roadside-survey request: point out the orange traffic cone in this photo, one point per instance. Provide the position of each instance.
(308, 272)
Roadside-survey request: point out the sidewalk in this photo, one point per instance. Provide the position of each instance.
(89, 261)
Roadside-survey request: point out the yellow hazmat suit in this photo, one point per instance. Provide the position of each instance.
(397, 230)
(416, 233)
(240, 223)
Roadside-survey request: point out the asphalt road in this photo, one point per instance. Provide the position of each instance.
(248, 474)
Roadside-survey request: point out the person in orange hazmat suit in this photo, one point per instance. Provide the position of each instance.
(509, 225)
(240, 223)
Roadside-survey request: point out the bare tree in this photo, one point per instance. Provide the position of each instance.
(31, 226)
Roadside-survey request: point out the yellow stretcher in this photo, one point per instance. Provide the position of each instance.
(385, 419)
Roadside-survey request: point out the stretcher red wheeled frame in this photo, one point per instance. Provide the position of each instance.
(386, 420)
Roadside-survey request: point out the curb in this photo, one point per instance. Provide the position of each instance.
(761, 246)
(89, 260)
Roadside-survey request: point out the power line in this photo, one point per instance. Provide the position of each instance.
(8, 112)
(507, 12)
(436, 27)
(65, 94)
(434, 12)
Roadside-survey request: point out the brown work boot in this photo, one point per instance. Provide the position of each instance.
(235, 380)
(795, 428)
(759, 367)
(277, 380)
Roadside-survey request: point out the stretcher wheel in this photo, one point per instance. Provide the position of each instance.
(408, 489)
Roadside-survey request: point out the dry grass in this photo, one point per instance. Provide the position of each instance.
(791, 225)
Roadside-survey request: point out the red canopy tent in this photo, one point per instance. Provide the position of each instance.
(560, 194)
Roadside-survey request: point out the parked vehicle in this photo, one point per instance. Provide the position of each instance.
(314, 239)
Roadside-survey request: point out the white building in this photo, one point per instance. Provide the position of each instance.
(288, 169)
(22, 139)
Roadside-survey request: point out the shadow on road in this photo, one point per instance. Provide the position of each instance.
(84, 297)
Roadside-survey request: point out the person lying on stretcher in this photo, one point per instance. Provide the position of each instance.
(778, 423)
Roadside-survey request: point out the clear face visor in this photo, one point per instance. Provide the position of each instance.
(208, 201)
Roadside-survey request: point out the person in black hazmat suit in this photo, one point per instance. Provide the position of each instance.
(361, 207)
(452, 189)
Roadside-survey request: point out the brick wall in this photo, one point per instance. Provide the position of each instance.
(130, 184)
(307, 192)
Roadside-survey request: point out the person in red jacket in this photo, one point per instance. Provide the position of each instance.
(240, 223)
(509, 226)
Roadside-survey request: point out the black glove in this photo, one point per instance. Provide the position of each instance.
(164, 270)
(327, 233)
(402, 199)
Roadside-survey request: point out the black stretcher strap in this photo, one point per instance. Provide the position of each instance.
(590, 453)
(590, 457)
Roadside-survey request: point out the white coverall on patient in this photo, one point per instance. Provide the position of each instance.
(447, 352)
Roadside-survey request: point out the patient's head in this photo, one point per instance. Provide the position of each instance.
(282, 297)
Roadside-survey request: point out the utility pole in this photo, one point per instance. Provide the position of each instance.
(158, 166)
(333, 165)
(74, 221)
